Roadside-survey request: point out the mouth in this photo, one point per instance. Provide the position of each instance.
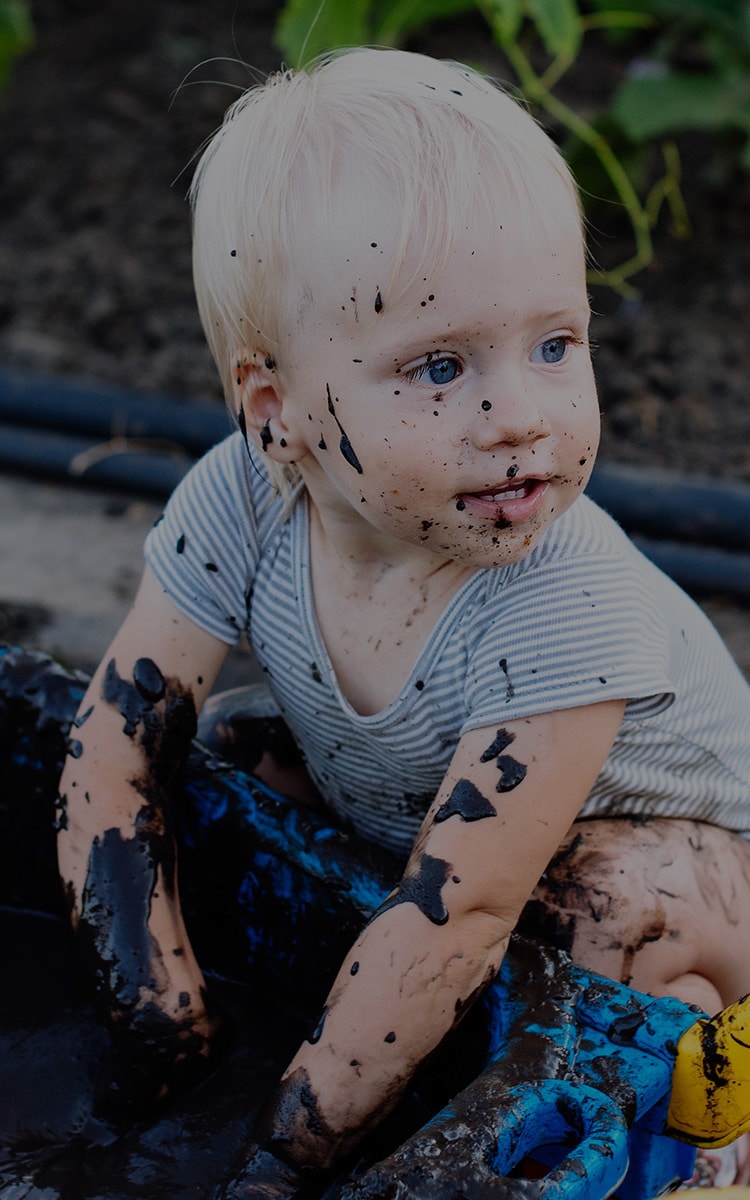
(511, 502)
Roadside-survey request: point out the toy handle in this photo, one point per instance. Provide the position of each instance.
(558, 1112)
(710, 1101)
(476, 1157)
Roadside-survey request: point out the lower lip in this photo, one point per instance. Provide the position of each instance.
(523, 508)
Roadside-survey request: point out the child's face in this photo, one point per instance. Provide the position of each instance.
(460, 415)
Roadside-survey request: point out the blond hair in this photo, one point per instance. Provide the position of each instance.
(442, 139)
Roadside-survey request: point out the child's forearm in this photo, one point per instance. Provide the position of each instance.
(118, 860)
(404, 985)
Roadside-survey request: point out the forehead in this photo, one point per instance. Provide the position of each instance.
(366, 247)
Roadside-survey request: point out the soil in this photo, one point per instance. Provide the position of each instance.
(99, 131)
(100, 127)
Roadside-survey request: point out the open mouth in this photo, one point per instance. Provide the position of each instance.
(516, 501)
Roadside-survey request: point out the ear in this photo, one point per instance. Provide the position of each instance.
(259, 402)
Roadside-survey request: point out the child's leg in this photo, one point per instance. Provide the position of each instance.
(662, 905)
(245, 727)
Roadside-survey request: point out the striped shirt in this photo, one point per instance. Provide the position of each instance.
(584, 617)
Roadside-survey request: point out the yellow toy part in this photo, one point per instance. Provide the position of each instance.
(710, 1101)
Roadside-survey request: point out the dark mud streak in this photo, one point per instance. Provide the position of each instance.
(293, 1101)
(164, 732)
(113, 930)
(423, 889)
(512, 772)
(345, 445)
(502, 740)
(123, 871)
(317, 1032)
(466, 802)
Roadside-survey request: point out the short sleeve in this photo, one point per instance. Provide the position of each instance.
(572, 627)
(205, 548)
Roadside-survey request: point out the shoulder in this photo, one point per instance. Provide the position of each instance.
(583, 618)
(205, 549)
(585, 563)
(583, 533)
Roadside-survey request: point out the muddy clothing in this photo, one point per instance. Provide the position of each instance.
(585, 617)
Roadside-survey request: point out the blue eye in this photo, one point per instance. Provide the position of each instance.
(551, 351)
(437, 371)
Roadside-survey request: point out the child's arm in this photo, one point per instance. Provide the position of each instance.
(507, 801)
(116, 848)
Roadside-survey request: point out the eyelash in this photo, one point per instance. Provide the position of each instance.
(417, 374)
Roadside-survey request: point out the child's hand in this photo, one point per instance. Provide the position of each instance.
(155, 1057)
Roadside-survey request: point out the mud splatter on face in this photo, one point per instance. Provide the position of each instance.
(378, 303)
(466, 802)
(511, 771)
(345, 445)
(422, 888)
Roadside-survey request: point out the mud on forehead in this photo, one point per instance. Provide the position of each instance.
(361, 246)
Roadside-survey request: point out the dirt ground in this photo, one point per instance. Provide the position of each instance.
(98, 133)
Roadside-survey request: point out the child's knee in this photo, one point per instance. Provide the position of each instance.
(662, 905)
(591, 902)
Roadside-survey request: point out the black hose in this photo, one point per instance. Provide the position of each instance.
(99, 411)
(666, 504)
(126, 466)
(108, 437)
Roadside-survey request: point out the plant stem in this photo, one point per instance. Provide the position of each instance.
(535, 89)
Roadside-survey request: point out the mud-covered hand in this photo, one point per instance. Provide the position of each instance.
(154, 1058)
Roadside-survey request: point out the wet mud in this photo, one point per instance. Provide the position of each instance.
(266, 887)
(57, 1136)
(345, 445)
(423, 888)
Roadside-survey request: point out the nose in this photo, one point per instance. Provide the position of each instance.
(508, 414)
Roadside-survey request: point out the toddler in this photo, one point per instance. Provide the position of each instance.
(479, 669)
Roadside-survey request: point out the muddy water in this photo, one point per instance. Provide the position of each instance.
(55, 1075)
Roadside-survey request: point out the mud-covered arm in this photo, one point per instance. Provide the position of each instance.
(508, 799)
(116, 847)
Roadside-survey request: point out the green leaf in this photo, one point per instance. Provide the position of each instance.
(648, 108)
(558, 23)
(307, 28)
(505, 18)
(16, 34)
(398, 18)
